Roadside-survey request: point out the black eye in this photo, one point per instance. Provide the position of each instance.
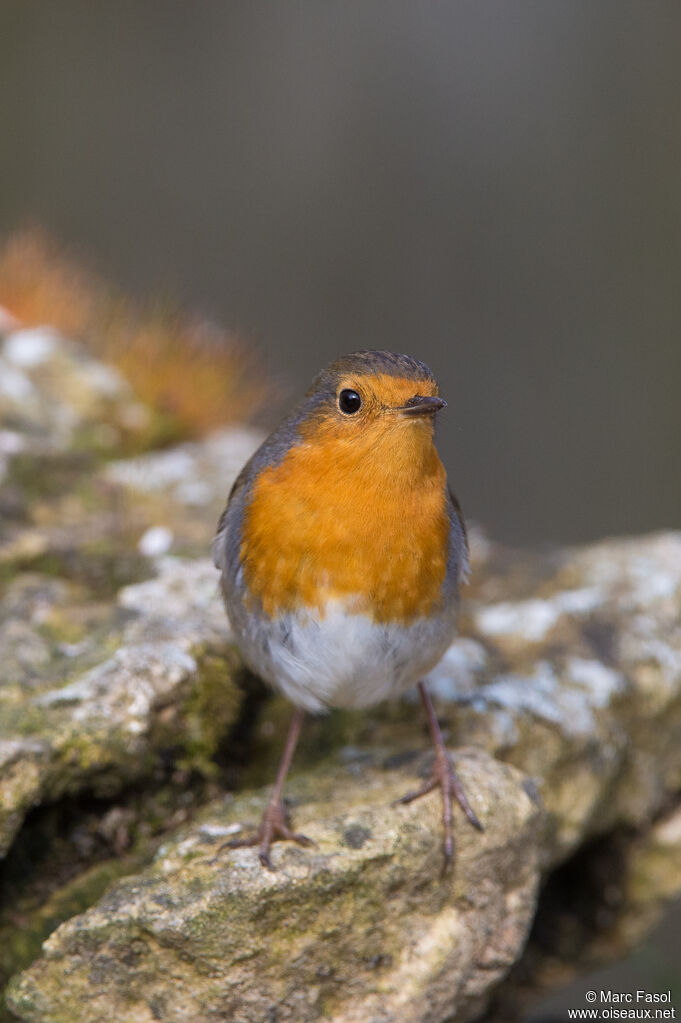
(349, 402)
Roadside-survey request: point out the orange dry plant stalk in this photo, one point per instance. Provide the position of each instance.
(195, 374)
(191, 371)
(40, 285)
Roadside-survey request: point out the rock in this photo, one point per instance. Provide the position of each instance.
(161, 674)
(100, 678)
(363, 927)
(70, 505)
(592, 707)
(56, 398)
(562, 694)
(191, 474)
(580, 706)
(69, 852)
(594, 910)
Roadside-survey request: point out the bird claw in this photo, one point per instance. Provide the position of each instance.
(409, 797)
(446, 779)
(272, 828)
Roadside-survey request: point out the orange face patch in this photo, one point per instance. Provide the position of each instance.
(384, 394)
(356, 511)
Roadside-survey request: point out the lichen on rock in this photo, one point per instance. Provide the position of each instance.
(562, 695)
(368, 909)
(99, 676)
(65, 728)
(584, 725)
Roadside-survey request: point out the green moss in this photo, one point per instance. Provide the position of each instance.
(48, 476)
(103, 566)
(8, 570)
(210, 710)
(61, 626)
(82, 752)
(104, 759)
(23, 932)
(62, 862)
(24, 720)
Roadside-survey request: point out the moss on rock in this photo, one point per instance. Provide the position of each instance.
(240, 941)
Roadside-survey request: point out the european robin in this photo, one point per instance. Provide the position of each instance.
(341, 551)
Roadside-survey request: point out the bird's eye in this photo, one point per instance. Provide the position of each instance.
(349, 402)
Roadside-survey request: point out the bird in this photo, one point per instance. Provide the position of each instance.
(341, 551)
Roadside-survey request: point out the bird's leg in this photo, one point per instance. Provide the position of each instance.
(274, 824)
(444, 777)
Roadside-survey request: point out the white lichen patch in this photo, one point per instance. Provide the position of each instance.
(155, 541)
(601, 682)
(103, 380)
(31, 347)
(15, 386)
(13, 750)
(213, 831)
(123, 692)
(157, 471)
(532, 620)
(652, 582)
(668, 830)
(184, 598)
(61, 393)
(661, 652)
(458, 672)
(635, 574)
(187, 846)
(544, 695)
(192, 474)
(11, 442)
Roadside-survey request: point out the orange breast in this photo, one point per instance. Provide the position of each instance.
(360, 519)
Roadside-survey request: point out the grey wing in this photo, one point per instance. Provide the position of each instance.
(225, 547)
(458, 567)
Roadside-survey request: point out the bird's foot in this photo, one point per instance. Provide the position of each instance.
(273, 827)
(446, 779)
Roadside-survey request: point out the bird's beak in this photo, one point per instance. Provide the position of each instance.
(421, 405)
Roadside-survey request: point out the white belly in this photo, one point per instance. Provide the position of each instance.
(342, 659)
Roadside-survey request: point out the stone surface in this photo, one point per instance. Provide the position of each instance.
(591, 706)
(154, 658)
(362, 927)
(592, 913)
(55, 398)
(99, 677)
(563, 696)
(583, 700)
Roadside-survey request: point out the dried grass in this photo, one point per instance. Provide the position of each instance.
(40, 285)
(194, 373)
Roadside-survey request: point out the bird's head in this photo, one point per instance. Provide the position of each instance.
(375, 409)
(374, 399)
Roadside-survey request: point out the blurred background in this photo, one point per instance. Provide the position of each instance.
(494, 188)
